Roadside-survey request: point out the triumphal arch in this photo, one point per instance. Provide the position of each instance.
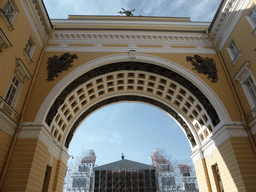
(55, 73)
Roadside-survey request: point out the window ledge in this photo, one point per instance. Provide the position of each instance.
(10, 27)
(8, 109)
(27, 56)
(236, 58)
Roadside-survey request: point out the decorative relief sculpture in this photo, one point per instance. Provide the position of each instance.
(58, 64)
(205, 65)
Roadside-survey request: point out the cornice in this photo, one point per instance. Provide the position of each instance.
(228, 131)
(41, 133)
(197, 156)
(40, 17)
(209, 148)
(224, 133)
(237, 14)
(128, 36)
(88, 22)
(161, 42)
(229, 15)
(127, 49)
(221, 19)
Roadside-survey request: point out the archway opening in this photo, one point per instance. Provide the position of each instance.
(136, 130)
(181, 96)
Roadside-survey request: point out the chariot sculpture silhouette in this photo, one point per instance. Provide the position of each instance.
(126, 12)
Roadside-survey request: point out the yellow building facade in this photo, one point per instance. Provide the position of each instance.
(54, 73)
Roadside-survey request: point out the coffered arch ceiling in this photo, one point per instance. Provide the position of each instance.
(132, 81)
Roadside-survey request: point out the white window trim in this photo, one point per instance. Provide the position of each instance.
(251, 22)
(21, 73)
(10, 21)
(242, 75)
(233, 57)
(5, 42)
(21, 70)
(17, 93)
(30, 54)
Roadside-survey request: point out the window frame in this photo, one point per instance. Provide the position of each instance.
(242, 76)
(4, 42)
(250, 20)
(232, 48)
(9, 19)
(251, 88)
(16, 94)
(21, 74)
(29, 49)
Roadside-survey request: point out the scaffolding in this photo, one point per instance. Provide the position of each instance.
(79, 174)
(125, 181)
(171, 175)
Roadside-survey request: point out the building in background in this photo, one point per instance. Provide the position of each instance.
(81, 177)
(125, 175)
(173, 177)
(189, 182)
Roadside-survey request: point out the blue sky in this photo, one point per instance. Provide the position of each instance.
(134, 129)
(131, 128)
(197, 10)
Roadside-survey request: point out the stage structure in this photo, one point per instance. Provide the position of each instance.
(125, 175)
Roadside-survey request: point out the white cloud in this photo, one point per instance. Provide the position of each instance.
(91, 139)
(114, 138)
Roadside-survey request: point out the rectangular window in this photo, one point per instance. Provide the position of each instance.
(251, 17)
(4, 42)
(20, 75)
(12, 91)
(29, 49)
(9, 13)
(233, 49)
(250, 85)
(8, 10)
